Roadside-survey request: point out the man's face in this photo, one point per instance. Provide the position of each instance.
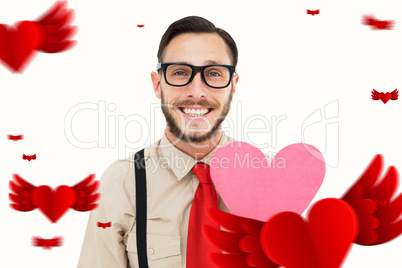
(178, 102)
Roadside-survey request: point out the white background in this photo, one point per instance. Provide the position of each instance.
(291, 65)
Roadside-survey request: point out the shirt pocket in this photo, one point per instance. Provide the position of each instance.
(163, 250)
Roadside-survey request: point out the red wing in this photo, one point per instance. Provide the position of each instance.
(56, 23)
(369, 20)
(375, 94)
(394, 94)
(104, 225)
(37, 241)
(15, 137)
(86, 194)
(241, 241)
(57, 241)
(371, 197)
(21, 196)
(384, 24)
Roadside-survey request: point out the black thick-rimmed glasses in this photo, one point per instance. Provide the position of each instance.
(181, 74)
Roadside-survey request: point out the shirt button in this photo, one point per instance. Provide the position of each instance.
(151, 251)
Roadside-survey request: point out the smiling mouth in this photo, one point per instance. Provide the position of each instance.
(195, 112)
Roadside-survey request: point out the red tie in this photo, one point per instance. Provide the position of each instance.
(198, 247)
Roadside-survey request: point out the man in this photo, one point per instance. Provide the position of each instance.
(195, 81)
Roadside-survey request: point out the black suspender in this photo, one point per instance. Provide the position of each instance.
(141, 208)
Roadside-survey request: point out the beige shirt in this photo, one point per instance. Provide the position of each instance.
(171, 186)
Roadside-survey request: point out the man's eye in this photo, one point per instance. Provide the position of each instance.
(179, 73)
(213, 74)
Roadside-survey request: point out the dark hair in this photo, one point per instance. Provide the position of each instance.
(194, 24)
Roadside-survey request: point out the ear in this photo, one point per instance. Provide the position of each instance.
(234, 82)
(156, 81)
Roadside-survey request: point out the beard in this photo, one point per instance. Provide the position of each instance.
(194, 138)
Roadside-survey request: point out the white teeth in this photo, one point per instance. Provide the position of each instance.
(195, 112)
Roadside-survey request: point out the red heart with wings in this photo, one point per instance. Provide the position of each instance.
(322, 241)
(54, 203)
(384, 97)
(50, 33)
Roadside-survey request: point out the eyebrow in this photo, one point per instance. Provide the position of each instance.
(211, 62)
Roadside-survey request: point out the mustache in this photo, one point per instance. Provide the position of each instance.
(203, 103)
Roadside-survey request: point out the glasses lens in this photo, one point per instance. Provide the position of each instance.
(217, 76)
(177, 74)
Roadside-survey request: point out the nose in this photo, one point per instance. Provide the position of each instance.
(197, 88)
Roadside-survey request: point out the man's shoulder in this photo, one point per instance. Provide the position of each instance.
(118, 171)
(124, 169)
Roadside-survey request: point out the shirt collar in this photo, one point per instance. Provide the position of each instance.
(181, 163)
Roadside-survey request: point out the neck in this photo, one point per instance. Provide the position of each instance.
(196, 150)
